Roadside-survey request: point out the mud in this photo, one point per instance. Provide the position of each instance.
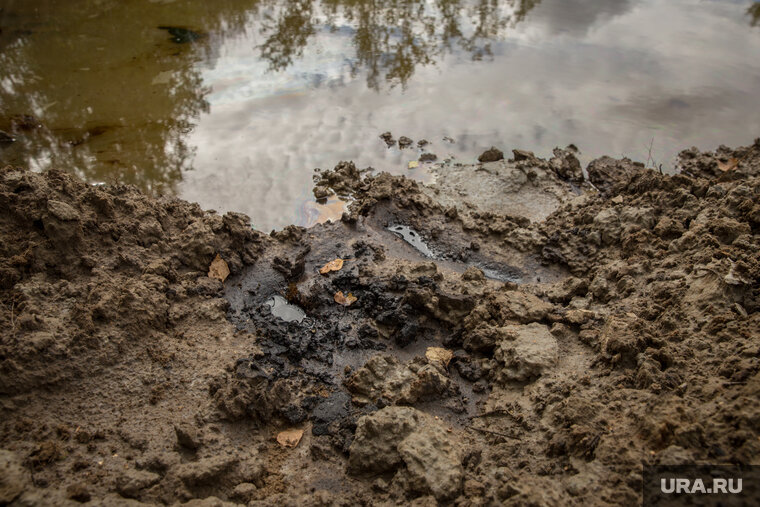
(591, 325)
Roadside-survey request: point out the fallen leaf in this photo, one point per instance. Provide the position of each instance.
(413, 164)
(344, 300)
(218, 269)
(439, 354)
(728, 166)
(289, 438)
(333, 265)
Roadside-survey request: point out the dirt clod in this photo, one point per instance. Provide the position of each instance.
(491, 155)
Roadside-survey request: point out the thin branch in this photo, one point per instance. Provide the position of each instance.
(490, 432)
(649, 156)
(498, 411)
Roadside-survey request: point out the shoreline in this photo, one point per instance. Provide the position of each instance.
(516, 335)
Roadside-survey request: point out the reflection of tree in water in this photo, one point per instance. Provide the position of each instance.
(289, 34)
(754, 13)
(393, 37)
(143, 91)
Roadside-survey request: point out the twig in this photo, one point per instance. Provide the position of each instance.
(498, 411)
(12, 306)
(649, 157)
(492, 432)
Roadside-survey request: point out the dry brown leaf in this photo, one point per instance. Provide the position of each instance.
(732, 164)
(333, 265)
(218, 269)
(344, 300)
(289, 438)
(439, 354)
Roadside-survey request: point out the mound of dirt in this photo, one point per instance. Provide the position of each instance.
(479, 352)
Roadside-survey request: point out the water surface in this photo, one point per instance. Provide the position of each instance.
(234, 103)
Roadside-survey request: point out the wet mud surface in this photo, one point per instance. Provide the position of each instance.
(531, 344)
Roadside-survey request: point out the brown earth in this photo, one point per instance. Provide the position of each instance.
(583, 336)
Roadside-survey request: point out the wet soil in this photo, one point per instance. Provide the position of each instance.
(533, 343)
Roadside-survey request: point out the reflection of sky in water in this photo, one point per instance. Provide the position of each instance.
(239, 119)
(241, 76)
(607, 76)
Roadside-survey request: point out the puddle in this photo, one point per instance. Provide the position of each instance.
(501, 273)
(494, 271)
(320, 351)
(282, 309)
(413, 238)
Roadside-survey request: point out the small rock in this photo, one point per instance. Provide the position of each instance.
(578, 317)
(473, 488)
(560, 330)
(388, 138)
(607, 222)
(473, 274)
(204, 470)
(565, 291)
(618, 339)
(404, 142)
(524, 307)
(523, 155)
(432, 464)
(375, 445)
(566, 165)
(396, 436)
(643, 217)
(422, 143)
(531, 351)
(322, 192)
(78, 492)
(491, 155)
(132, 482)
(669, 229)
(187, 436)
(244, 491)
(251, 470)
(740, 310)
(606, 172)
(384, 376)
(62, 211)
(428, 157)
(13, 477)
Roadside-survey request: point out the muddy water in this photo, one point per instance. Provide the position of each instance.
(234, 103)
